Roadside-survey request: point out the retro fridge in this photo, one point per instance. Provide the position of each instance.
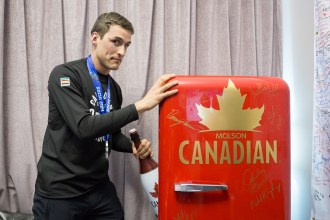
(224, 149)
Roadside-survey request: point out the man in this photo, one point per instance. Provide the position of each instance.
(84, 124)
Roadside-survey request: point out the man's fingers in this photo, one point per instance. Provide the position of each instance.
(163, 79)
(171, 92)
(157, 93)
(145, 146)
(169, 85)
(146, 154)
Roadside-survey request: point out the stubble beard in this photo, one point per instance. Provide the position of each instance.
(107, 64)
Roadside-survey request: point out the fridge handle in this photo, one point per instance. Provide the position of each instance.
(191, 187)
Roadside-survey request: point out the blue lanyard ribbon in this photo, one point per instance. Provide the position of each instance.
(103, 107)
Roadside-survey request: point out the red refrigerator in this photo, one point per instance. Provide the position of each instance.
(224, 149)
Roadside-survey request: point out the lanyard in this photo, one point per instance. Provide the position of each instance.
(103, 107)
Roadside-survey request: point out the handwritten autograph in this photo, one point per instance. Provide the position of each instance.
(258, 184)
(254, 180)
(173, 116)
(266, 194)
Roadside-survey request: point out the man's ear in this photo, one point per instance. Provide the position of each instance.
(94, 38)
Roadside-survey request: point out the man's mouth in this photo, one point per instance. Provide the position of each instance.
(117, 60)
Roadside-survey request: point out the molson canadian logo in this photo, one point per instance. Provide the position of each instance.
(231, 124)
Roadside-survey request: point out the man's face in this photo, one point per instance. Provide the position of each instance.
(109, 51)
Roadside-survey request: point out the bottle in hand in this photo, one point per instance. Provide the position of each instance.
(148, 173)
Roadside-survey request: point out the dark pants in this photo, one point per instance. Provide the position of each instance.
(99, 204)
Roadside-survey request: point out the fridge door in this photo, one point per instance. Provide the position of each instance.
(224, 149)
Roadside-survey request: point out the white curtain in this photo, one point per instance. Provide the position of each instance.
(188, 37)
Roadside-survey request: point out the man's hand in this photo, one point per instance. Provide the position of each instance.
(144, 149)
(157, 93)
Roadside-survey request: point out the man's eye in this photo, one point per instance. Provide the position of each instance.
(116, 42)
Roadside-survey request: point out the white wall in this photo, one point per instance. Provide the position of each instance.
(298, 69)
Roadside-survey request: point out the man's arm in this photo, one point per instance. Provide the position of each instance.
(158, 92)
(73, 109)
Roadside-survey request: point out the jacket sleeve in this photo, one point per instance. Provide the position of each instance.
(67, 97)
(121, 143)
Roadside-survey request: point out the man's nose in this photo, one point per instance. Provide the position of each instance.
(122, 50)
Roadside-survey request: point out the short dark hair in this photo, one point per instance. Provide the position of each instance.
(105, 20)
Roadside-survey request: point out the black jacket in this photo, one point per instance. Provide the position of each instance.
(73, 158)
